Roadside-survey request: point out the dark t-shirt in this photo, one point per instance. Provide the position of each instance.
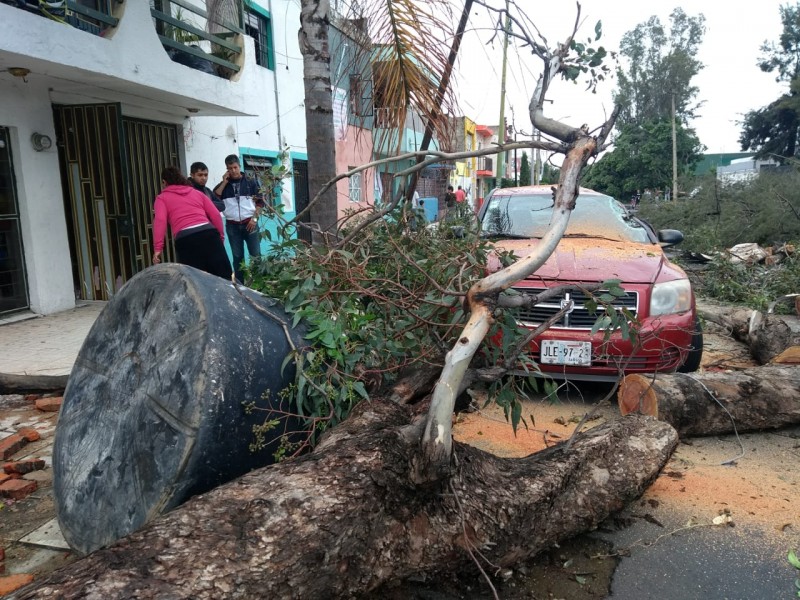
(211, 195)
(450, 199)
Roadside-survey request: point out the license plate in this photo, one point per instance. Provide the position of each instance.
(555, 352)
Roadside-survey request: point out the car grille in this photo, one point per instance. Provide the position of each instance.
(579, 317)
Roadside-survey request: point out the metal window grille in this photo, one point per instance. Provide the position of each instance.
(258, 27)
(355, 186)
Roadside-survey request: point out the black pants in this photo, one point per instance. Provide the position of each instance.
(204, 250)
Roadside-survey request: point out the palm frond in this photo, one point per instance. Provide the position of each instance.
(411, 43)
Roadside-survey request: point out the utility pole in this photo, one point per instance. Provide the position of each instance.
(674, 155)
(501, 130)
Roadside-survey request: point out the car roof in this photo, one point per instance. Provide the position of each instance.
(538, 189)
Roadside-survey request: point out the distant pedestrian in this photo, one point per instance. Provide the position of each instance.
(461, 195)
(242, 200)
(195, 222)
(198, 176)
(449, 201)
(449, 197)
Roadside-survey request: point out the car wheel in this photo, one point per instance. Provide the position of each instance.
(692, 362)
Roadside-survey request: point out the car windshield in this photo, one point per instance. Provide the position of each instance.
(528, 216)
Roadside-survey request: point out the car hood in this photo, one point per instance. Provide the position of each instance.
(596, 259)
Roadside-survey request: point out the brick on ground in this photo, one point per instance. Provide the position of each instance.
(24, 466)
(11, 445)
(17, 489)
(49, 404)
(29, 433)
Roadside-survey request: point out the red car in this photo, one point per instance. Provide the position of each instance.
(603, 241)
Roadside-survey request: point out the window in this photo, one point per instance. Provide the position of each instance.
(356, 95)
(355, 186)
(258, 26)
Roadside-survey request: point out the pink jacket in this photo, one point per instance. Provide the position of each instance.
(183, 206)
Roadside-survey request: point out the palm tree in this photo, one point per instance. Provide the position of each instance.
(411, 58)
(314, 19)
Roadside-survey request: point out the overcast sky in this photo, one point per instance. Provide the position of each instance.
(730, 84)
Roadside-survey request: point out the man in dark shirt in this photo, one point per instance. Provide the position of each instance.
(198, 176)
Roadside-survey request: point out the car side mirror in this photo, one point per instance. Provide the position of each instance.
(669, 237)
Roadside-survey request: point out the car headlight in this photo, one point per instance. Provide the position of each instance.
(671, 297)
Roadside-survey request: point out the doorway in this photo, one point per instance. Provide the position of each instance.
(13, 284)
(110, 172)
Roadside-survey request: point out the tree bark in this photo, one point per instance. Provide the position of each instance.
(345, 520)
(766, 334)
(753, 399)
(313, 38)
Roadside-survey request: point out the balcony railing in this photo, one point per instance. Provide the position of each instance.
(199, 38)
(485, 164)
(92, 16)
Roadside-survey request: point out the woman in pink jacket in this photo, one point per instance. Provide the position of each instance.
(195, 222)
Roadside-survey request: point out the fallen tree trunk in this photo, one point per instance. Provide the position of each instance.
(765, 397)
(735, 320)
(345, 520)
(11, 383)
(766, 334)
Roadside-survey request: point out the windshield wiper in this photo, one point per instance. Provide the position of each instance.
(507, 235)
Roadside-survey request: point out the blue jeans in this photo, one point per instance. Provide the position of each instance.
(238, 237)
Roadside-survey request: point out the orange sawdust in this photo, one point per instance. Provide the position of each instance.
(761, 488)
(750, 497)
(488, 430)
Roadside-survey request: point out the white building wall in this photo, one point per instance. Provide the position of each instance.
(25, 109)
(277, 119)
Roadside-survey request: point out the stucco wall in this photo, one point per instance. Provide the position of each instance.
(129, 58)
(25, 109)
(355, 150)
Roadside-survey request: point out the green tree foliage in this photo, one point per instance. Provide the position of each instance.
(772, 131)
(765, 210)
(642, 158)
(783, 58)
(656, 65)
(550, 174)
(525, 170)
(390, 301)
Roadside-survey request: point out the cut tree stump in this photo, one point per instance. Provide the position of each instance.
(754, 399)
(345, 519)
(156, 406)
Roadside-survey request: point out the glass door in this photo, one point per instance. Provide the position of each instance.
(13, 287)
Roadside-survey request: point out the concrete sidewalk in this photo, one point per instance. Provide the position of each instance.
(45, 345)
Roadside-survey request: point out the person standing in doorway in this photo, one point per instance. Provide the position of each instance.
(242, 199)
(198, 177)
(195, 222)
